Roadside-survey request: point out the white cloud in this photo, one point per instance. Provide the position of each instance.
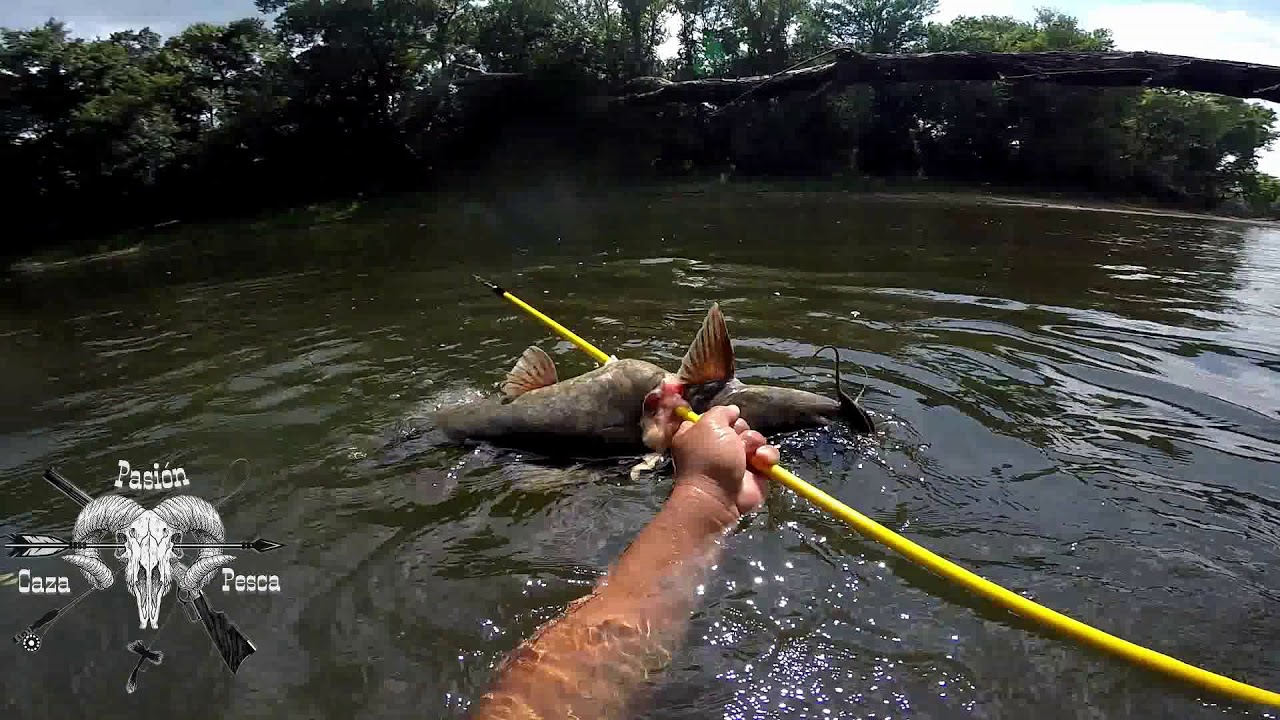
(949, 10)
(96, 18)
(1190, 29)
(101, 28)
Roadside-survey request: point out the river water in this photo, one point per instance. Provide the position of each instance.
(1081, 406)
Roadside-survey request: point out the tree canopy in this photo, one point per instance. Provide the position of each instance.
(338, 96)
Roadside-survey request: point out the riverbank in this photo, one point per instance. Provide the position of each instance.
(943, 191)
(402, 206)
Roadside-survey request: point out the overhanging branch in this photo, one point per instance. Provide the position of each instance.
(1097, 69)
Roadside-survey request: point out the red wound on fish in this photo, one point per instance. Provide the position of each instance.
(651, 401)
(667, 387)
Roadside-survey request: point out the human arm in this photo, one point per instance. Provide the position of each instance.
(592, 661)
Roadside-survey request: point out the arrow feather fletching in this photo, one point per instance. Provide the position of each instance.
(36, 546)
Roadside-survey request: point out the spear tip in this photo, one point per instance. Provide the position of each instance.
(492, 286)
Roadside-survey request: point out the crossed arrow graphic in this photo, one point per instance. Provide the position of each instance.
(27, 545)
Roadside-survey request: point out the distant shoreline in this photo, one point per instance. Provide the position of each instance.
(942, 190)
(1098, 206)
(126, 244)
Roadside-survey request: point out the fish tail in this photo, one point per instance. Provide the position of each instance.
(853, 413)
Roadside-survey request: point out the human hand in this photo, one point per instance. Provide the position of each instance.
(717, 455)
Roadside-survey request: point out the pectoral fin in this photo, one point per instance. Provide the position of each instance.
(710, 357)
(535, 369)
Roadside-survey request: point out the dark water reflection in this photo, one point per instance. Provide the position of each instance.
(1081, 406)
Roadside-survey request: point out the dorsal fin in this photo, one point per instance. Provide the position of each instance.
(535, 369)
(710, 357)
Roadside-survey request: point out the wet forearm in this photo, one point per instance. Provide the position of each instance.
(592, 661)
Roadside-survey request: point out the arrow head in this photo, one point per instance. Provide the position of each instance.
(263, 545)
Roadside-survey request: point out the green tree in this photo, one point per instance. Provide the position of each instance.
(758, 30)
(222, 67)
(1262, 194)
(1016, 131)
(86, 120)
(878, 26)
(1195, 148)
(886, 141)
(693, 55)
(643, 20)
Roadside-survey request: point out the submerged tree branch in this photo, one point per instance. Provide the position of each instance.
(1098, 69)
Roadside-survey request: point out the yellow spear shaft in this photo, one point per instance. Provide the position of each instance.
(948, 570)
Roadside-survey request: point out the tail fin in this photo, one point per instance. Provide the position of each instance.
(853, 413)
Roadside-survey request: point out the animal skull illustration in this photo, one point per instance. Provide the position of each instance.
(151, 561)
(148, 548)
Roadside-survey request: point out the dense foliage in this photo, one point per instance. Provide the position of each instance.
(324, 97)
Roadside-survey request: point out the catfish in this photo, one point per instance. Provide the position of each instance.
(600, 413)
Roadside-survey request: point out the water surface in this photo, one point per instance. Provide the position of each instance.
(1083, 407)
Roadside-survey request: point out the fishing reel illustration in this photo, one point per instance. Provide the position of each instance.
(27, 640)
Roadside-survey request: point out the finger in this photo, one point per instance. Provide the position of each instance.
(740, 426)
(751, 441)
(671, 420)
(725, 415)
(685, 427)
(766, 455)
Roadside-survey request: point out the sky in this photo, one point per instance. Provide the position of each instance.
(1244, 30)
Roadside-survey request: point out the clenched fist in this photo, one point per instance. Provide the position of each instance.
(717, 455)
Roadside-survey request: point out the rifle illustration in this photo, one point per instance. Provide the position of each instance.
(232, 645)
